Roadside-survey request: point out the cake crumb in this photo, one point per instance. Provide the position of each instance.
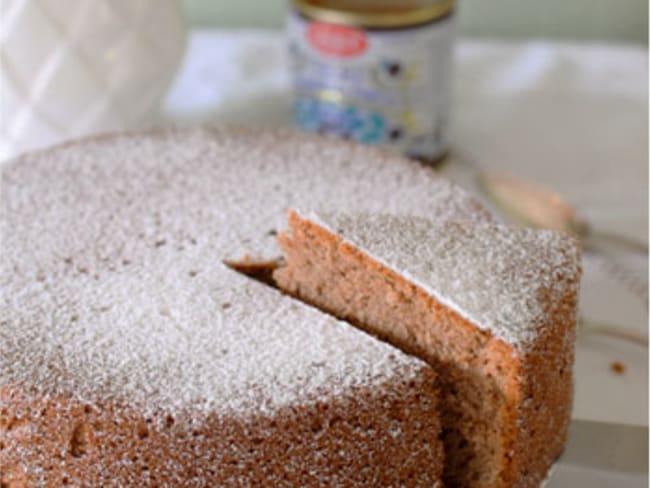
(617, 367)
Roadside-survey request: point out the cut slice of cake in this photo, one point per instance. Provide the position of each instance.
(493, 309)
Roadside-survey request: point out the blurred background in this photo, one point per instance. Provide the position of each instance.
(599, 20)
(96, 66)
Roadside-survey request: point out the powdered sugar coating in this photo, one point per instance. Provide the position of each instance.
(500, 278)
(112, 282)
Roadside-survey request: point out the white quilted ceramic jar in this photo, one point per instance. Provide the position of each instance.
(76, 67)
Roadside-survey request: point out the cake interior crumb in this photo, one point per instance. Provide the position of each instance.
(472, 406)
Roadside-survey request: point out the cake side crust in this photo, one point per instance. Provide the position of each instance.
(547, 391)
(386, 436)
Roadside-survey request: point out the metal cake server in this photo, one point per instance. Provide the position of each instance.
(610, 447)
(603, 455)
(535, 206)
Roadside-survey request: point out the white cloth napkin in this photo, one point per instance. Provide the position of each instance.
(572, 117)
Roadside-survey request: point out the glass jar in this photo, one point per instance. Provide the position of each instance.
(374, 71)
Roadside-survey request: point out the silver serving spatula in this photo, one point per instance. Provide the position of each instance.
(602, 455)
(610, 447)
(535, 206)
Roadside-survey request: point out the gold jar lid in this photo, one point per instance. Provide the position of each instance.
(378, 14)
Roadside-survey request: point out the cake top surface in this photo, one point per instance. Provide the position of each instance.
(500, 278)
(112, 282)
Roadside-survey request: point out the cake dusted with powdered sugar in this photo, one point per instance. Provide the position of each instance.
(127, 347)
(132, 354)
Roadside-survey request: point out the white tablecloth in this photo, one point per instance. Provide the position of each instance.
(572, 117)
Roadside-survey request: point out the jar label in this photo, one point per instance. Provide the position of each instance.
(374, 86)
(338, 41)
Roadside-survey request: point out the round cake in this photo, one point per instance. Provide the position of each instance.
(130, 354)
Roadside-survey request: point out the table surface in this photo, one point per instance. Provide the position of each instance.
(571, 117)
